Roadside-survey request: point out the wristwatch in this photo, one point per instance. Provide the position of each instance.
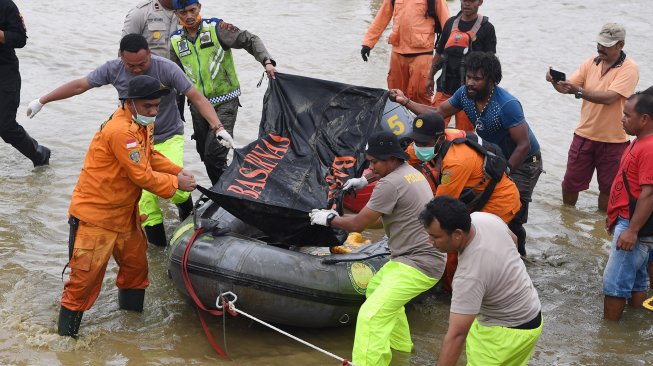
(330, 217)
(579, 93)
(270, 61)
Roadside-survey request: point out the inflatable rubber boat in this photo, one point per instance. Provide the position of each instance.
(273, 282)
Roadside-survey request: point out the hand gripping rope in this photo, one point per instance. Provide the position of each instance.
(222, 302)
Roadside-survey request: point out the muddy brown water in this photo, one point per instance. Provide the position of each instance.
(567, 246)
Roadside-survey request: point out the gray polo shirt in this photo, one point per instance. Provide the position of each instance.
(168, 122)
(400, 197)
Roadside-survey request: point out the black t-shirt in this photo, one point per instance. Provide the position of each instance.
(486, 41)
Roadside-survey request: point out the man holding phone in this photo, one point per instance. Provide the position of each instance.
(603, 82)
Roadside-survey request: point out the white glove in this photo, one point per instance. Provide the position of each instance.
(33, 108)
(225, 139)
(321, 217)
(356, 183)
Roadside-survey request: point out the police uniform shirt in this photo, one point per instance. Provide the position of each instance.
(154, 22)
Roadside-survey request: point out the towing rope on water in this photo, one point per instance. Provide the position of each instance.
(198, 304)
(223, 304)
(228, 305)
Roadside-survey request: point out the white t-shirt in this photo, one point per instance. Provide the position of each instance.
(491, 280)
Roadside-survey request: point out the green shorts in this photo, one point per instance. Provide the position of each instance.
(496, 345)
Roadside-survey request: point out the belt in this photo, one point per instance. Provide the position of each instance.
(533, 158)
(531, 324)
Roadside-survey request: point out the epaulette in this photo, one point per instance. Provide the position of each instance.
(144, 4)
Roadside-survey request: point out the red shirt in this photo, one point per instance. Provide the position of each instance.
(637, 162)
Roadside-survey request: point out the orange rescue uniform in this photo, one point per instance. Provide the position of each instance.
(412, 40)
(462, 167)
(120, 162)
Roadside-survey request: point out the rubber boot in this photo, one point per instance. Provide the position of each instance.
(131, 299)
(69, 321)
(38, 154)
(43, 157)
(185, 208)
(156, 235)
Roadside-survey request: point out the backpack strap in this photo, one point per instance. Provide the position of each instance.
(492, 171)
(478, 24)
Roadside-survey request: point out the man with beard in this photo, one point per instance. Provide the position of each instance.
(498, 118)
(202, 48)
(603, 82)
(136, 59)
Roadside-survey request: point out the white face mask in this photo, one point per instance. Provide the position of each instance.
(140, 119)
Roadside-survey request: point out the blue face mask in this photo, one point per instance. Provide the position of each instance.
(140, 119)
(424, 153)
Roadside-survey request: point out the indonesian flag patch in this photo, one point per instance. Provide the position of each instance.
(131, 143)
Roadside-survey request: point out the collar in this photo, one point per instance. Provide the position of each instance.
(618, 63)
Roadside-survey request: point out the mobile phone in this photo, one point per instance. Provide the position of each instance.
(557, 75)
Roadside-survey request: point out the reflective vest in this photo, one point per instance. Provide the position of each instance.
(431, 169)
(208, 66)
(457, 46)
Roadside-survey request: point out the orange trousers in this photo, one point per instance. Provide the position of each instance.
(92, 251)
(462, 121)
(409, 74)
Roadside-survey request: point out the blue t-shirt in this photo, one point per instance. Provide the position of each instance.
(168, 121)
(502, 113)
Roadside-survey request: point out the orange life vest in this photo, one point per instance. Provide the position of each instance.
(457, 46)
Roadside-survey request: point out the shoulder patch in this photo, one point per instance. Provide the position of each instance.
(135, 156)
(446, 177)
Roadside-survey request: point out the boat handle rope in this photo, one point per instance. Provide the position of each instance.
(358, 259)
(198, 304)
(229, 306)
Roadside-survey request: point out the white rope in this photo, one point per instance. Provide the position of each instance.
(233, 308)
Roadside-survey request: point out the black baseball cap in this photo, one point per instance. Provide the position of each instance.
(383, 145)
(145, 87)
(427, 126)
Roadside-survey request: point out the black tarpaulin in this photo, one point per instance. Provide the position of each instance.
(312, 139)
